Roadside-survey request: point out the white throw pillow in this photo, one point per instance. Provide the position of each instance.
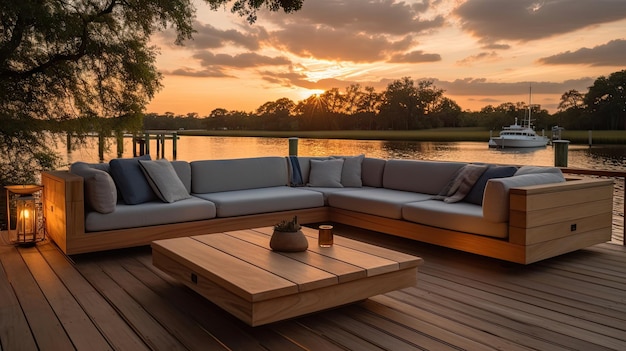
(326, 173)
(164, 181)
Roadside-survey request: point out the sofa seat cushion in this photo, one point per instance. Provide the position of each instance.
(376, 201)
(458, 216)
(327, 191)
(150, 213)
(262, 200)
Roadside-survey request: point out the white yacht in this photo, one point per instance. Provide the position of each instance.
(517, 135)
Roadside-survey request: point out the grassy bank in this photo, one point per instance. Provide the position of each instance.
(440, 134)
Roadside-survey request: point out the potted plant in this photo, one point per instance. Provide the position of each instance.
(288, 237)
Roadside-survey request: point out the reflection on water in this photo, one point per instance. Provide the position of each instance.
(191, 148)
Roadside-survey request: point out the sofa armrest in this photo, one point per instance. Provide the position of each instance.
(64, 206)
(540, 213)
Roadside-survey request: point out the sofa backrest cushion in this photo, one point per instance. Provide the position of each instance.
(130, 180)
(372, 170)
(426, 177)
(183, 170)
(496, 197)
(99, 188)
(210, 176)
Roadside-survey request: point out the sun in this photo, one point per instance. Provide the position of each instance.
(305, 93)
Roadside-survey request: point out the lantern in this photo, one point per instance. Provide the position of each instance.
(24, 216)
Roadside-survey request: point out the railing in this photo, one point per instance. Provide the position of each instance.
(609, 174)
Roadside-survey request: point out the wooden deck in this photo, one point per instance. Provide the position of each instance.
(118, 300)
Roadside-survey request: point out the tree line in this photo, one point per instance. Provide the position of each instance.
(407, 104)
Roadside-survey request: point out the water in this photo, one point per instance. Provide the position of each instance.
(191, 148)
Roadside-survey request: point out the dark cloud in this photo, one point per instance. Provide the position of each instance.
(209, 37)
(213, 72)
(481, 86)
(483, 56)
(372, 17)
(294, 79)
(336, 44)
(245, 60)
(417, 56)
(612, 53)
(525, 20)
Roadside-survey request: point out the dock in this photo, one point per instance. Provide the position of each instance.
(117, 300)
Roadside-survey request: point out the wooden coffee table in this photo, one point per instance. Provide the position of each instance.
(241, 274)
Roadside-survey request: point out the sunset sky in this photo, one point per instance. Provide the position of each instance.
(481, 52)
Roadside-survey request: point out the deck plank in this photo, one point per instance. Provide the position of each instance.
(14, 331)
(461, 302)
(42, 320)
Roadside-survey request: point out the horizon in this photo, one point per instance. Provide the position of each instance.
(480, 53)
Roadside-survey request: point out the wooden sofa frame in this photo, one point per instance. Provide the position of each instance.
(544, 221)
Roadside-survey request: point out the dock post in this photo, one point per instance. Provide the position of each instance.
(162, 145)
(101, 146)
(174, 140)
(147, 142)
(158, 145)
(119, 135)
(590, 137)
(68, 142)
(293, 146)
(560, 152)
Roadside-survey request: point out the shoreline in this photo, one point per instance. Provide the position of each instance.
(600, 137)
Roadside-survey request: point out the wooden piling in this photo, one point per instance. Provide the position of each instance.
(293, 146)
(560, 152)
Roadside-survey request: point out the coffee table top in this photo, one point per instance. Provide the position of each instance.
(242, 262)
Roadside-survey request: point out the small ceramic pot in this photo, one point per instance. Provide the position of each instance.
(288, 241)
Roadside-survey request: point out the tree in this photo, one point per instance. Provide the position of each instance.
(606, 101)
(80, 61)
(83, 60)
(400, 103)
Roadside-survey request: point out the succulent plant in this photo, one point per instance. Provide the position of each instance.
(288, 226)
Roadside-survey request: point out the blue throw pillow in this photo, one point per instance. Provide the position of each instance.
(475, 196)
(130, 180)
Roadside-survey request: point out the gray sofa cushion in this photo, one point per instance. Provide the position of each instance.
(183, 169)
(210, 176)
(372, 170)
(262, 200)
(150, 213)
(99, 188)
(426, 177)
(459, 216)
(376, 201)
(496, 197)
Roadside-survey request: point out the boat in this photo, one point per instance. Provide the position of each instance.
(519, 135)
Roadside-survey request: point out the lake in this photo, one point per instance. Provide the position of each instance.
(191, 148)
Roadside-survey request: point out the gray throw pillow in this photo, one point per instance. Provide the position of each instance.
(351, 172)
(131, 181)
(326, 173)
(164, 181)
(100, 191)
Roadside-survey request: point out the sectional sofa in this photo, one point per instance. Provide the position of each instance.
(518, 214)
